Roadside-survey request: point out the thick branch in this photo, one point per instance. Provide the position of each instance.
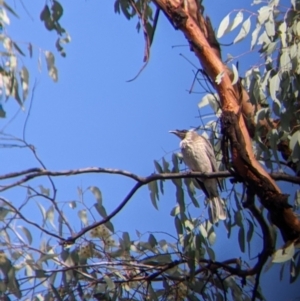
(233, 124)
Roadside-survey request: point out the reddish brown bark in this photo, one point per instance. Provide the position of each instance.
(235, 107)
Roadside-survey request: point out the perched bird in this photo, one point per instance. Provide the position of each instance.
(198, 155)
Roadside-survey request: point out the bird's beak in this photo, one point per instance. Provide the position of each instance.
(174, 132)
(177, 133)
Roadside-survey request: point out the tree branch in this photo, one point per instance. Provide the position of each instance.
(15, 210)
(234, 128)
(141, 181)
(39, 172)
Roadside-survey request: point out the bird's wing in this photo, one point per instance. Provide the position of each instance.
(212, 158)
(211, 154)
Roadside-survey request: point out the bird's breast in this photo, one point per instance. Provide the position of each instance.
(194, 156)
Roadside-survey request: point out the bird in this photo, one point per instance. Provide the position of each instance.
(198, 155)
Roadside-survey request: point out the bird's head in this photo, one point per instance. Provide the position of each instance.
(179, 133)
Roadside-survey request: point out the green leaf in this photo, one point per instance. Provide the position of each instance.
(97, 194)
(175, 163)
(101, 210)
(164, 245)
(283, 31)
(255, 35)
(117, 6)
(198, 245)
(263, 14)
(270, 48)
(237, 196)
(270, 28)
(30, 50)
(45, 13)
(236, 21)
(109, 282)
(40, 273)
(242, 239)
(83, 216)
(24, 75)
(126, 240)
(165, 166)
(49, 24)
(57, 10)
(43, 211)
(285, 60)
(152, 293)
(219, 77)
(209, 227)
(125, 8)
(212, 238)
(244, 31)
(153, 193)
(261, 115)
(50, 215)
(238, 218)
(191, 262)
(3, 213)
(109, 226)
(175, 210)
(16, 255)
(72, 204)
(249, 234)
(210, 253)
(235, 74)
(152, 240)
(191, 191)
(180, 199)
(13, 284)
(27, 234)
(188, 225)
(52, 71)
(178, 226)
(18, 48)
(223, 26)
(15, 91)
(203, 231)
(284, 254)
(204, 101)
(158, 167)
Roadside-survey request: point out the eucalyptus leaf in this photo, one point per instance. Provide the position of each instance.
(97, 194)
(284, 254)
(244, 31)
(83, 216)
(223, 26)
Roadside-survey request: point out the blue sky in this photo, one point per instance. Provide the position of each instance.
(93, 117)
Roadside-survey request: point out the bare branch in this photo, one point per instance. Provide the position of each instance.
(39, 172)
(72, 239)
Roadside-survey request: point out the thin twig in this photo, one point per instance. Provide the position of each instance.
(29, 221)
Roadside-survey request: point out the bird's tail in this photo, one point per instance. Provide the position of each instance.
(217, 209)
